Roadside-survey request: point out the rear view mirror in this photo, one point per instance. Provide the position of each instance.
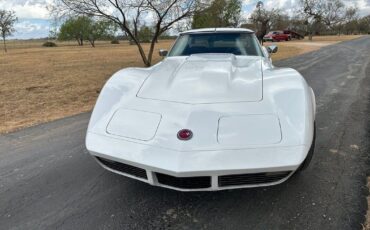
(163, 53)
(272, 49)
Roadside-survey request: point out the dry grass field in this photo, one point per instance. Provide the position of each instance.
(39, 84)
(297, 47)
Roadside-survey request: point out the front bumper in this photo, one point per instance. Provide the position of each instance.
(196, 170)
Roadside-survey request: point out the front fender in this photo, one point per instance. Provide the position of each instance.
(122, 86)
(293, 100)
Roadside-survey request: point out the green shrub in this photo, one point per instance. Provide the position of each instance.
(49, 44)
(115, 41)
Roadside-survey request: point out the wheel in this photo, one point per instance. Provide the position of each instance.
(309, 156)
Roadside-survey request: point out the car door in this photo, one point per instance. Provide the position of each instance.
(280, 36)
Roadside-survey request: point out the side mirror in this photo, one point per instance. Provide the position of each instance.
(272, 49)
(163, 53)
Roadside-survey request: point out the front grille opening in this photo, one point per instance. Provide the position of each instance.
(124, 168)
(184, 182)
(251, 179)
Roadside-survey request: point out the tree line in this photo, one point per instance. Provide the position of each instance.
(312, 17)
(84, 28)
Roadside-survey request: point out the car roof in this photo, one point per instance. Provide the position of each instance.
(210, 30)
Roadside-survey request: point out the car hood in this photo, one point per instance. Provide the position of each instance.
(205, 78)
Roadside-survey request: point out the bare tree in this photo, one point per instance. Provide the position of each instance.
(262, 18)
(7, 20)
(334, 14)
(313, 11)
(129, 15)
(351, 19)
(298, 24)
(364, 25)
(329, 15)
(281, 22)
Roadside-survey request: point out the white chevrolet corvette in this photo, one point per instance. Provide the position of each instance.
(214, 114)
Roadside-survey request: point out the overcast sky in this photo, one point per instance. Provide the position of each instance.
(34, 21)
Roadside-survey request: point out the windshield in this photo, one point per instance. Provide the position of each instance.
(244, 44)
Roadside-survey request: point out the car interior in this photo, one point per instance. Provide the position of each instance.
(237, 44)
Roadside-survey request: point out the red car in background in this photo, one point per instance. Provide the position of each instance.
(277, 36)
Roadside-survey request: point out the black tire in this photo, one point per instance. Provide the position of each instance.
(309, 156)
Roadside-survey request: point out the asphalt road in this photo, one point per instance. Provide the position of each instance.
(49, 181)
